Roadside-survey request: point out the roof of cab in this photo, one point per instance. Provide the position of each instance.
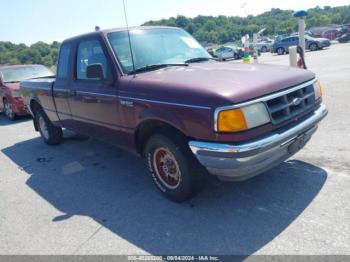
(120, 29)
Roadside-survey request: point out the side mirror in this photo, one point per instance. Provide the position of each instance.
(95, 71)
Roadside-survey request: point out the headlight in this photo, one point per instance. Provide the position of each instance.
(318, 90)
(240, 119)
(16, 94)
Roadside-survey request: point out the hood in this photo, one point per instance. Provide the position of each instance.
(12, 86)
(322, 39)
(218, 83)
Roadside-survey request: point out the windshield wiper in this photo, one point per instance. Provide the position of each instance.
(12, 82)
(199, 59)
(155, 67)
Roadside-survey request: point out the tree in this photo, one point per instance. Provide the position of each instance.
(276, 21)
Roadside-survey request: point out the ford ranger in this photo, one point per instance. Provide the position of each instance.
(155, 91)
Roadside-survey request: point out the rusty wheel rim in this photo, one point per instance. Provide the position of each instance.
(166, 168)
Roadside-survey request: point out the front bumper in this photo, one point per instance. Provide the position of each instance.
(17, 105)
(325, 44)
(242, 161)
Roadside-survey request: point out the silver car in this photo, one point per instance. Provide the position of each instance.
(229, 52)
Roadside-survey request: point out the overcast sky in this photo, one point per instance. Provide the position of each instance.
(28, 21)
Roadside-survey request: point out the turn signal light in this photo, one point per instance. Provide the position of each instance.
(231, 121)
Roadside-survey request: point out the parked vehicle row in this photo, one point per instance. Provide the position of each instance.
(11, 101)
(186, 113)
(331, 32)
(281, 46)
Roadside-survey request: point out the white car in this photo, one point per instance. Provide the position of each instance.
(229, 52)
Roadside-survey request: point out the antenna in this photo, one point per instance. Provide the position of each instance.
(130, 46)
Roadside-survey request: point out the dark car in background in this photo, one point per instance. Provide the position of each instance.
(11, 101)
(281, 45)
(331, 34)
(344, 38)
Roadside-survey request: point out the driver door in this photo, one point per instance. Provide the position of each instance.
(94, 102)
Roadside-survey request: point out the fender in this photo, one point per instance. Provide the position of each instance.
(163, 116)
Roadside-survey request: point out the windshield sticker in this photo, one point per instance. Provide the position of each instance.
(190, 42)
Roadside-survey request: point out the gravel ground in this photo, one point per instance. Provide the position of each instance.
(86, 197)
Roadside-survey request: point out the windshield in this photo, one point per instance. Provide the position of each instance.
(308, 37)
(155, 47)
(17, 74)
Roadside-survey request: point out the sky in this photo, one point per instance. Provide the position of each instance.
(29, 21)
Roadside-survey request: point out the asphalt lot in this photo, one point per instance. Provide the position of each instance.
(86, 197)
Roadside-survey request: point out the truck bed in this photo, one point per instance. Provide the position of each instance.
(39, 90)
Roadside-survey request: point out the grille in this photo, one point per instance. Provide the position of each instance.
(287, 106)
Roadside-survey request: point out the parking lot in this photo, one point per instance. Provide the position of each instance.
(86, 197)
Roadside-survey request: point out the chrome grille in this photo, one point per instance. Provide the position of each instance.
(289, 105)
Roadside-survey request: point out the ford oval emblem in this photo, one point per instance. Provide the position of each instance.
(297, 101)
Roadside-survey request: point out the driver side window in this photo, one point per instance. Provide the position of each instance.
(91, 52)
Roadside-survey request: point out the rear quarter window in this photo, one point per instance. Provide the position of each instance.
(63, 61)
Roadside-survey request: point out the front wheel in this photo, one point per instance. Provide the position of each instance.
(51, 134)
(313, 47)
(174, 169)
(280, 51)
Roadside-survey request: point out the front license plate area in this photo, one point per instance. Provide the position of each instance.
(298, 143)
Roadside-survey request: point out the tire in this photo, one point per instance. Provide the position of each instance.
(8, 110)
(174, 169)
(313, 47)
(51, 134)
(264, 49)
(280, 51)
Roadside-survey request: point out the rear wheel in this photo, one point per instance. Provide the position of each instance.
(174, 169)
(280, 51)
(264, 49)
(51, 134)
(8, 110)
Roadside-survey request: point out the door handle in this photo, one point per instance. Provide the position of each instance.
(73, 92)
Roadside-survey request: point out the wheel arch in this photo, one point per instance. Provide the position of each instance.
(34, 105)
(151, 126)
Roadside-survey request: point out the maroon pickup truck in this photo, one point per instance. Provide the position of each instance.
(162, 96)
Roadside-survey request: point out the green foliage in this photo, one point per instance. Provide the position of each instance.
(38, 53)
(222, 29)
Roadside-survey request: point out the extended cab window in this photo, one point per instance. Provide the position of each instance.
(91, 52)
(63, 61)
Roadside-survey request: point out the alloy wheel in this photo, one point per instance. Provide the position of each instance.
(166, 168)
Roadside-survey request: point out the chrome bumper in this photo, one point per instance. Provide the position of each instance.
(242, 161)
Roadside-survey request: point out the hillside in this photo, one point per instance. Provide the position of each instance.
(222, 29)
(38, 53)
(219, 29)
